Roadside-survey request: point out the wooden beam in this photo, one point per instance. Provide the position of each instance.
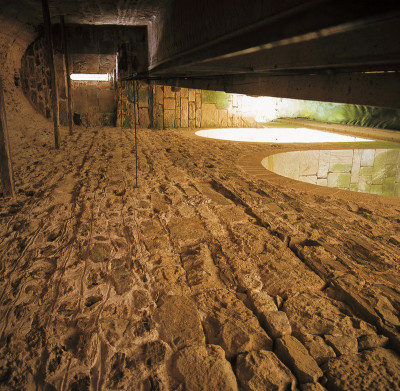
(54, 93)
(66, 60)
(379, 89)
(373, 45)
(296, 23)
(6, 171)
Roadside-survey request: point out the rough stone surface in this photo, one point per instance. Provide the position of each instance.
(180, 324)
(275, 323)
(316, 314)
(342, 344)
(317, 347)
(311, 387)
(261, 370)
(261, 301)
(231, 325)
(377, 369)
(203, 368)
(370, 341)
(295, 356)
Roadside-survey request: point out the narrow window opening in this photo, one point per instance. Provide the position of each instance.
(90, 77)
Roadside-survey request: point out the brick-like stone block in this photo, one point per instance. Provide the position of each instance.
(144, 119)
(209, 115)
(179, 322)
(184, 93)
(261, 370)
(203, 368)
(169, 118)
(198, 101)
(261, 301)
(192, 123)
(158, 116)
(198, 118)
(312, 387)
(169, 104)
(296, 357)
(192, 94)
(192, 110)
(184, 112)
(342, 344)
(168, 93)
(317, 347)
(159, 94)
(276, 323)
(371, 341)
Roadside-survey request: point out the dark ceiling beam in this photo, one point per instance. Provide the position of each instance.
(376, 45)
(371, 89)
(296, 23)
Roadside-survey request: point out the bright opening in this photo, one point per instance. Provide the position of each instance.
(90, 76)
(278, 135)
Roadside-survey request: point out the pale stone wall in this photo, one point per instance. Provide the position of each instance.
(93, 103)
(163, 107)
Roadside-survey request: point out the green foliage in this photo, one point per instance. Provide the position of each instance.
(367, 116)
(222, 100)
(209, 96)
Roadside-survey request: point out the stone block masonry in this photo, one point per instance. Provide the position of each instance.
(35, 80)
(164, 107)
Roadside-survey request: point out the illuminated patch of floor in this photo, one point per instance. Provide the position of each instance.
(277, 135)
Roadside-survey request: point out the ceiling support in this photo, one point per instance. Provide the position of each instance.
(365, 88)
(54, 93)
(6, 171)
(67, 71)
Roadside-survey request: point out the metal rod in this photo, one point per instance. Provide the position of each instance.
(54, 94)
(122, 125)
(66, 59)
(135, 90)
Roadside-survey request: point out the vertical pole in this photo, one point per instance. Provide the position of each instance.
(6, 171)
(120, 111)
(66, 59)
(54, 94)
(134, 115)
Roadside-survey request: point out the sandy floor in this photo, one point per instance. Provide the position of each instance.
(177, 284)
(214, 274)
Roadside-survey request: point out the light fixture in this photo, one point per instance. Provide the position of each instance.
(90, 76)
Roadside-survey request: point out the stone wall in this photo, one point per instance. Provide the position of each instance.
(93, 103)
(35, 80)
(163, 107)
